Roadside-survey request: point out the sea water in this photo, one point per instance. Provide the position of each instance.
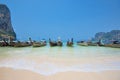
(50, 60)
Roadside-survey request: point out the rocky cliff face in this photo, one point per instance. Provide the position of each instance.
(112, 35)
(6, 29)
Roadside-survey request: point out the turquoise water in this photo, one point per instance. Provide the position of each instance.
(51, 60)
(75, 51)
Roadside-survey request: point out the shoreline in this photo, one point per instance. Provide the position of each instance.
(15, 74)
(59, 64)
(46, 65)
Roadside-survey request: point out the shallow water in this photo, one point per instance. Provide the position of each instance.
(76, 51)
(50, 60)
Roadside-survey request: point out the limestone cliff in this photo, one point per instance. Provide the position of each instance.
(6, 29)
(107, 36)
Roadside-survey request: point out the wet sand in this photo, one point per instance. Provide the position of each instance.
(14, 74)
(78, 63)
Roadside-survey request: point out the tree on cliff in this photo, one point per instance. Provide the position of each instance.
(6, 29)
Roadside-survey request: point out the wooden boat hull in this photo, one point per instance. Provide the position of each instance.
(83, 44)
(3, 44)
(70, 44)
(53, 44)
(59, 43)
(39, 44)
(113, 45)
(21, 45)
(92, 44)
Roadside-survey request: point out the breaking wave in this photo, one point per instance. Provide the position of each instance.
(49, 68)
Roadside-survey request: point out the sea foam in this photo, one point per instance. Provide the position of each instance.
(49, 68)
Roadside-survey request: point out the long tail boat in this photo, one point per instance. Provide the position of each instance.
(55, 43)
(21, 44)
(92, 44)
(82, 43)
(70, 43)
(4, 43)
(115, 44)
(39, 44)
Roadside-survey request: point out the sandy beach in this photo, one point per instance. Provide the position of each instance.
(21, 73)
(12, 74)
(79, 63)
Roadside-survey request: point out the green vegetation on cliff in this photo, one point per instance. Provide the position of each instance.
(108, 36)
(6, 29)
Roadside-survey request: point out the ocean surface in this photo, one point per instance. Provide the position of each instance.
(50, 60)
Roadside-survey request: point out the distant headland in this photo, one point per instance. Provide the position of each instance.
(108, 36)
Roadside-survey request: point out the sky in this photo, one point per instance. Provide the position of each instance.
(78, 19)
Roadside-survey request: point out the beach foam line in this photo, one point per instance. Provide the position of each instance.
(49, 68)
